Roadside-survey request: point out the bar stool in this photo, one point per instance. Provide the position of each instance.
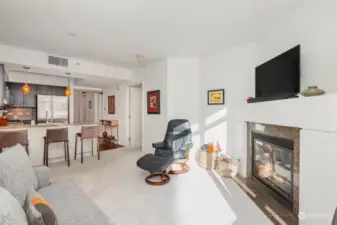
(11, 138)
(56, 136)
(88, 132)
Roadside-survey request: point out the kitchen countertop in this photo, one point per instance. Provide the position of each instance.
(36, 134)
(26, 126)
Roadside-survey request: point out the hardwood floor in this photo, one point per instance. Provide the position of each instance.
(105, 146)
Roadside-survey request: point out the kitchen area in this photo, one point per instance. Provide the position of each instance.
(37, 99)
(43, 103)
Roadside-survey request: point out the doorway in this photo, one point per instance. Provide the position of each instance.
(87, 107)
(135, 116)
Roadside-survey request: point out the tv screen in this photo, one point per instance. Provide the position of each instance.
(279, 76)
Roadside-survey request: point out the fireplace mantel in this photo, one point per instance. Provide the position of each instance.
(311, 113)
(317, 119)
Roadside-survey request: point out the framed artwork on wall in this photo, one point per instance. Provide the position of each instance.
(111, 104)
(153, 102)
(216, 97)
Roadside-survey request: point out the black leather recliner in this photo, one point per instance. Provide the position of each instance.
(173, 150)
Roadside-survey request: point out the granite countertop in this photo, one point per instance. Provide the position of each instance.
(26, 126)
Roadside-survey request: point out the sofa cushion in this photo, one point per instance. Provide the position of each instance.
(71, 205)
(16, 172)
(42, 174)
(11, 212)
(38, 210)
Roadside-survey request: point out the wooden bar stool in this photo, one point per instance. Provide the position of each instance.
(56, 136)
(88, 132)
(11, 138)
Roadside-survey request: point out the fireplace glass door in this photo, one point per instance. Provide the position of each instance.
(272, 165)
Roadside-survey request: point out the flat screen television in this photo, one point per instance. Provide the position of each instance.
(279, 77)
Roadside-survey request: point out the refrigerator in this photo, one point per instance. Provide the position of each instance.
(52, 109)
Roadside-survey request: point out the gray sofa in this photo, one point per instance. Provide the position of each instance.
(70, 204)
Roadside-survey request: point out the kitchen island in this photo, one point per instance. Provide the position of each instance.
(56, 150)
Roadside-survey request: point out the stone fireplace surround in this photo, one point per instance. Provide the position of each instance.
(316, 117)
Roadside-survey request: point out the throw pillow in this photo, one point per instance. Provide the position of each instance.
(11, 212)
(16, 172)
(38, 210)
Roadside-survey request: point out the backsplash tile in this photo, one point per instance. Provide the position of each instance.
(21, 114)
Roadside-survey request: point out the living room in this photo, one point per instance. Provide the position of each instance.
(221, 50)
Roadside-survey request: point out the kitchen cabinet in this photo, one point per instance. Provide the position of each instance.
(44, 90)
(17, 94)
(30, 99)
(58, 91)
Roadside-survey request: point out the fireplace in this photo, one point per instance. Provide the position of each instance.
(272, 162)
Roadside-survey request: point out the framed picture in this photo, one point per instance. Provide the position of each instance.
(153, 102)
(90, 105)
(216, 97)
(111, 104)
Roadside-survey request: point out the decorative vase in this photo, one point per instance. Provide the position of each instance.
(312, 91)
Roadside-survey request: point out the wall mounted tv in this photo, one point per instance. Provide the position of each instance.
(278, 78)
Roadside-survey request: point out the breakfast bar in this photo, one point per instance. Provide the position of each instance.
(36, 135)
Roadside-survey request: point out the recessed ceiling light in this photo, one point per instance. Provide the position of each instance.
(72, 34)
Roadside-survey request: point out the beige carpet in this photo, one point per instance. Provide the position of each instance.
(196, 198)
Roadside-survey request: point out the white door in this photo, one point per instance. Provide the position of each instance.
(135, 116)
(100, 107)
(84, 111)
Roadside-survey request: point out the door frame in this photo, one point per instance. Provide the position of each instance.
(141, 116)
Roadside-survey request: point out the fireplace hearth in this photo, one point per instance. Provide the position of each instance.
(272, 162)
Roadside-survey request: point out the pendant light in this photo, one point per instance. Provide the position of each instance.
(67, 91)
(25, 88)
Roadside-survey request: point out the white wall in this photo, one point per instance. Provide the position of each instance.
(183, 89)
(121, 111)
(154, 76)
(232, 70)
(315, 28)
(183, 78)
(318, 182)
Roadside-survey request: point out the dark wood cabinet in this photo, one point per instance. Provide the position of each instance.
(43, 90)
(17, 94)
(30, 99)
(22, 100)
(58, 91)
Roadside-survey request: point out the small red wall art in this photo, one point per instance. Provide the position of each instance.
(153, 102)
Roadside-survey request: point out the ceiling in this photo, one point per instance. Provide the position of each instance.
(114, 31)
